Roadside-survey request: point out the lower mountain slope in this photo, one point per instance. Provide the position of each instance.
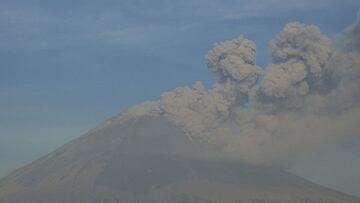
(148, 159)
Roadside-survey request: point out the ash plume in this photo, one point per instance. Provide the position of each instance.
(309, 96)
(300, 54)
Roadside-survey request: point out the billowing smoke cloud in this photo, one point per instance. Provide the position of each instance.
(234, 61)
(300, 54)
(308, 97)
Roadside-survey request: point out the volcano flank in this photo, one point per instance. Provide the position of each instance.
(145, 160)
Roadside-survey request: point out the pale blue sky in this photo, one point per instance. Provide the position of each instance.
(67, 65)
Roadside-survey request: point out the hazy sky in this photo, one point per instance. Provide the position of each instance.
(67, 65)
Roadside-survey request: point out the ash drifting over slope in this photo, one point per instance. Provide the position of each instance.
(308, 97)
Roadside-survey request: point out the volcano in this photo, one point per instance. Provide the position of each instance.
(224, 144)
(145, 159)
